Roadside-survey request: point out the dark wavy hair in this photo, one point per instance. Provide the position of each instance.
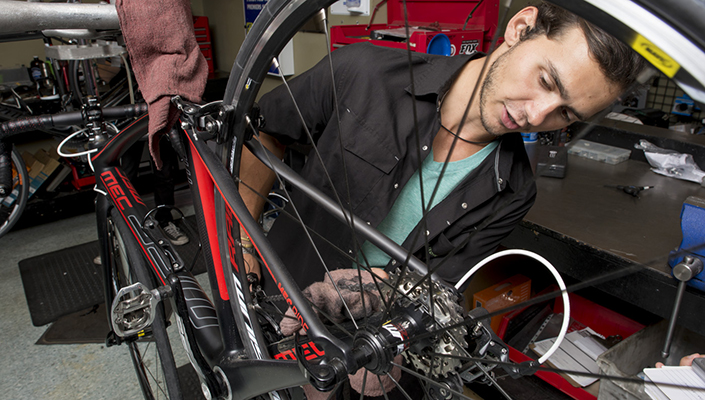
(617, 61)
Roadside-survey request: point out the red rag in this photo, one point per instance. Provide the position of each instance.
(165, 57)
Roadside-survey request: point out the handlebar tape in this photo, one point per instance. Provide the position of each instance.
(11, 128)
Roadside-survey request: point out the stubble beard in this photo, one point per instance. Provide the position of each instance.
(487, 90)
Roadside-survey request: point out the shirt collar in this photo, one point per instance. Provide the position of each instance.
(437, 72)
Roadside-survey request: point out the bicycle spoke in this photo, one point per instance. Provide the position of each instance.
(429, 380)
(384, 392)
(333, 392)
(310, 240)
(401, 389)
(494, 382)
(426, 207)
(364, 385)
(535, 300)
(365, 266)
(418, 238)
(571, 372)
(155, 378)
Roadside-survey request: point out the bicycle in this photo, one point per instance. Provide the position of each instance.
(235, 357)
(65, 92)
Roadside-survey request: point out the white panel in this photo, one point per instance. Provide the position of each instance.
(351, 7)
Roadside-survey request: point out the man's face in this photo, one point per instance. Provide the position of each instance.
(542, 85)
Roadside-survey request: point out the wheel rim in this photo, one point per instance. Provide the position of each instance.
(242, 100)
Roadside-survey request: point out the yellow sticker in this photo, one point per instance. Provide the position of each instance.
(657, 57)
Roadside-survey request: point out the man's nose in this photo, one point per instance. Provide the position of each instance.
(540, 110)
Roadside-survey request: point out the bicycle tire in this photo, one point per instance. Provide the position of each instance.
(273, 29)
(11, 210)
(265, 40)
(158, 377)
(275, 26)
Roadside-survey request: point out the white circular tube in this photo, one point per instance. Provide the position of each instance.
(83, 153)
(556, 276)
(69, 137)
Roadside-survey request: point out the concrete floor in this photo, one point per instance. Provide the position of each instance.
(30, 371)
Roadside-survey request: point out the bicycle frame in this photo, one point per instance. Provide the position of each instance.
(216, 349)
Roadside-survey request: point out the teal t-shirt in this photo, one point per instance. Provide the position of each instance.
(407, 211)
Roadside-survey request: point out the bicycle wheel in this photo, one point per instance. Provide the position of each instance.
(11, 206)
(280, 20)
(150, 349)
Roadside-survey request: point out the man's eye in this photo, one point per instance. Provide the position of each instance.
(544, 82)
(565, 114)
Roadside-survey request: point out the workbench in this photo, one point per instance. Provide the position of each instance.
(588, 230)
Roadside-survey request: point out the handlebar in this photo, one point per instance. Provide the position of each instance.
(11, 128)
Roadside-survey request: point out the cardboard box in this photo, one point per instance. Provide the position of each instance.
(42, 165)
(506, 293)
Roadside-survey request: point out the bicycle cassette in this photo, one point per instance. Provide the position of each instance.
(445, 312)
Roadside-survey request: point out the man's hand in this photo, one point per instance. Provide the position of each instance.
(379, 273)
(685, 361)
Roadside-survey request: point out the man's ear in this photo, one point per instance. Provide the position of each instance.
(518, 24)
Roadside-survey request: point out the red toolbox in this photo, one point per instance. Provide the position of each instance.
(428, 19)
(203, 38)
(585, 313)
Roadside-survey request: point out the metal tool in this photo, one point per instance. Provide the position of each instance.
(632, 190)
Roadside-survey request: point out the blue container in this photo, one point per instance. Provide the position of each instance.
(439, 44)
(530, 136)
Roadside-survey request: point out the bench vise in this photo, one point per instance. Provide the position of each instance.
(687, 261)
(692, 246)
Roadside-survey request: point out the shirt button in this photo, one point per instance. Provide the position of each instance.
(499, 181)
(368, 223)
(464, 205)
(424, 148)
(396, 186)
(428, 233)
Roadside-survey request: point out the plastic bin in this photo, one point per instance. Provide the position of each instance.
(599, 152)
(639, 351)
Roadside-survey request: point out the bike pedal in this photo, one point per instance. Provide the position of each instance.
(133, 309)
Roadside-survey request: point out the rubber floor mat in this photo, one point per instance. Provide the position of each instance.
(67, 281)
(85, 326)
(62, 282)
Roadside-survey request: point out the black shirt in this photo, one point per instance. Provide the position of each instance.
(380, 153)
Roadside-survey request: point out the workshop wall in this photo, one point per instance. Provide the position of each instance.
(16, 54)
(226, 20)
(663, 94)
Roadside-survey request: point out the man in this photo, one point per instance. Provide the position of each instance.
(551, 70)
